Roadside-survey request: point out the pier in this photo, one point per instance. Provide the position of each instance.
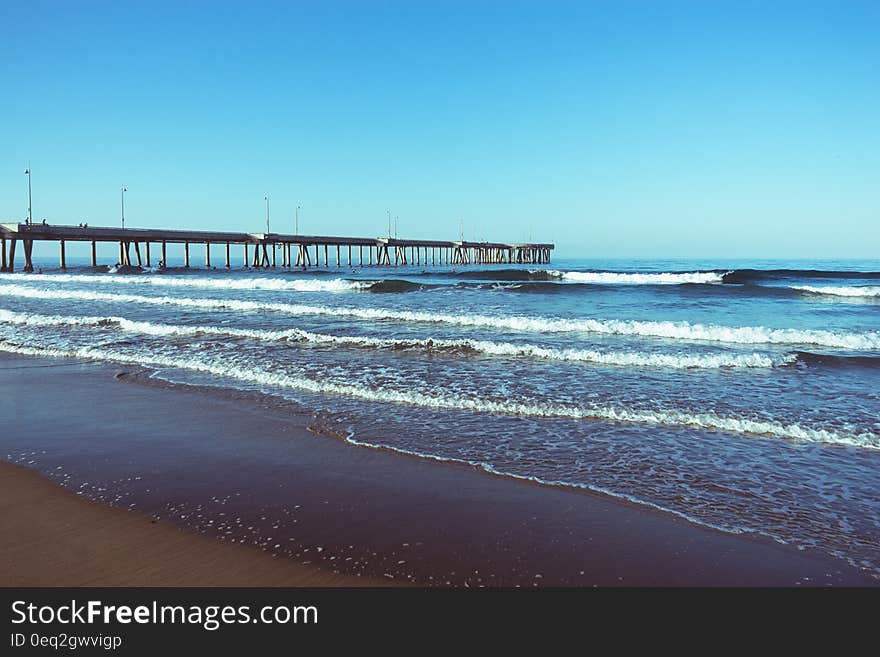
(263, 250)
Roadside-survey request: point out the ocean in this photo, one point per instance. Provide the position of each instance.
(741, 396)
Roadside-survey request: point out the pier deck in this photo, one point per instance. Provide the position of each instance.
(308, 249)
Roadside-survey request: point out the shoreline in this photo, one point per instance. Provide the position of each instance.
(396, 518)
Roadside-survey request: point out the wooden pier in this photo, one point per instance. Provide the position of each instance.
(265, 250)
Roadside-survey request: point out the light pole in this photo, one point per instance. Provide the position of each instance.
(27, 172)
(389, 223)
(267, 213)
(122, 198)
(395, 225)
(296, 226)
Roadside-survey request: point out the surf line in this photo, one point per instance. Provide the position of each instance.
(526, 408)
(433, 345)
(645, 328)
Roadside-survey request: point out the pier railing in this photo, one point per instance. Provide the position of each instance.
(263, 249)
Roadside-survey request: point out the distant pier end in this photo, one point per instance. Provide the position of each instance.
(263, 249)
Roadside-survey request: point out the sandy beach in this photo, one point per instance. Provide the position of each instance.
(52, 537)
(409, 520)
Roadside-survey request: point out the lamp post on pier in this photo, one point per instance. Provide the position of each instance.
(267, 213)
(30, 217)
(122, 200)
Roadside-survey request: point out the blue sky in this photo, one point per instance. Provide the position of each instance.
(612, 128)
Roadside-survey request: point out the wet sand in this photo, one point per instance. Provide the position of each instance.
(363, 513)
(53, 537)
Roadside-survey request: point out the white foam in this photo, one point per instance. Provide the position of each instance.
(618, 278)
(505, 349)
(28, 319)
(435, 400)
(660, 329)
(842, 291)
(201, 282)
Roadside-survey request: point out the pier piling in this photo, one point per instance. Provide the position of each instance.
(28, 249)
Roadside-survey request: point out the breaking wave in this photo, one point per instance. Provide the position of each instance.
(201, 282)
(663, 278)
(865, 291)
(593, 277)
(460, 346)
(434, 400)
(645, 328)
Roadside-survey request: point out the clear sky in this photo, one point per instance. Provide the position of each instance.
(743, 129)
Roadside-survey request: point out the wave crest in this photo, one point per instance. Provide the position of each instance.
(460, 346)
(204, 283)
(642, 328)
(660, 278)
(667, 417)
(864, 291)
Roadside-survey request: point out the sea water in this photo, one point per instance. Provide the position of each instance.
(743, 396)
